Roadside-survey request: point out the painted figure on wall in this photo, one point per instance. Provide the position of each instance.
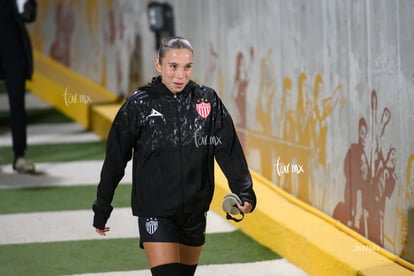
(214, 72)
(405, 211)
(369, 169)
(317, 112)
(265, 94)
(356, 171)
(241, 82)
(65, 24)
(304, 126)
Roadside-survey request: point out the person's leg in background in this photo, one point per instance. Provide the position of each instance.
(14, 75)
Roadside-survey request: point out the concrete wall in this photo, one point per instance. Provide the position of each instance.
(321, 91)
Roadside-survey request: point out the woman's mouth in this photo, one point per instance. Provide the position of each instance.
(178, 84)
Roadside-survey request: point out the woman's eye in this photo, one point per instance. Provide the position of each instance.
(173, 66)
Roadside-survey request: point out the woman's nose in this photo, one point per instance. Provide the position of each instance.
(180, 73)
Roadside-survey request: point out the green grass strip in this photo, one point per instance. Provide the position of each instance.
(58, 152)
(60, 258)
(234, 247)
(37, 116)
(57, 199)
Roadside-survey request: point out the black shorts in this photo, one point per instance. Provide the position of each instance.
(187, 229)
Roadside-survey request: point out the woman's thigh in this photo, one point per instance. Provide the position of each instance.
(159, 253)
(189, 255)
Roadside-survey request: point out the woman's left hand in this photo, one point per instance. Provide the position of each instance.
(246, 207)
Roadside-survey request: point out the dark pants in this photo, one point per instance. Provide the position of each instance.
(13, 67)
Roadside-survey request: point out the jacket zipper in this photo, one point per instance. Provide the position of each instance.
(177, 103)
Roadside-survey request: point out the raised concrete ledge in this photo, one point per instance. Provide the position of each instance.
(102, 117)
(67, 91)
(308, 238)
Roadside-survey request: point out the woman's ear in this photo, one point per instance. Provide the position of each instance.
(157, 65)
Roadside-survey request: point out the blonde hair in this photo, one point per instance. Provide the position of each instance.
(173, 42)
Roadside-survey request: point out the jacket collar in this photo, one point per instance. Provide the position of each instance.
(156, 86)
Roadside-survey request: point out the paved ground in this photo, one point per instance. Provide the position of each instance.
(52, 226)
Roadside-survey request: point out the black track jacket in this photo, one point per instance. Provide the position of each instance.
(174, 139)
(13, 34)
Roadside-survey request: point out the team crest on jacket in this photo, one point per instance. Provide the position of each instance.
(203, 107)
(151, 224)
